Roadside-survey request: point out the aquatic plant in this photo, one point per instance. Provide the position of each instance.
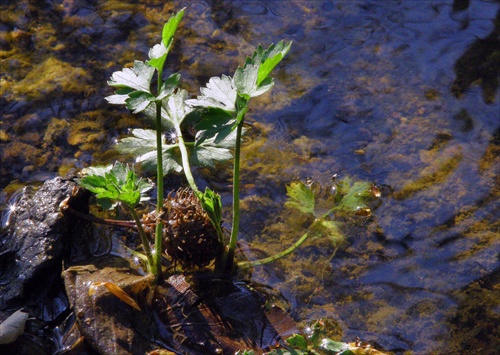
(315, 341)
(192, 132)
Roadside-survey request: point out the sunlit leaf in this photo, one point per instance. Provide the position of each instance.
(253, 78)
(120, 97)
(269, 58)
(169, 86)
(300, 196)
(116, 183)
(297, 341)
(332, 347)
(219, 92)
(175, 107)
(138, 101)
(170, 28)
(138, 77)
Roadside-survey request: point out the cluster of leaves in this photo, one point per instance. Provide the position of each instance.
(116, 183)
(315, 342)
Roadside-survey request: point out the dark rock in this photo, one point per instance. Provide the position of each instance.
(196, 315)
(33, 245)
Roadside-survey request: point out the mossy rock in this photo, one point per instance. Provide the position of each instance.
(50, 76)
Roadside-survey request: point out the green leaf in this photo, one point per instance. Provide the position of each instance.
(353, 196)
(207, 155)
(138, 101)
(215, 123)
(297, 341)
(219, 92)
(212, 204)
(245, 80)
(329, 229)
(138, 77)
(300, 196)
(169, 85)
(270, 58)
(252, 80)
(142, 145)
(158, 54)
(170, 28)
(332, 347)
(214, 147)
(120, 97)
(116, 183)
(175, 107)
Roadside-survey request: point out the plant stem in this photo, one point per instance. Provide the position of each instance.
(156, 270)
(228, 258)
(185, 160)
(247, 264)
(144, 240)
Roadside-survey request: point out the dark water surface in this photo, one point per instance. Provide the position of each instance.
(403, 94)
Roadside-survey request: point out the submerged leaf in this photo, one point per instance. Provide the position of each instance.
(115, 290)
(300, 196)
(354, 196)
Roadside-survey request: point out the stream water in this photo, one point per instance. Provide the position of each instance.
(402, 94)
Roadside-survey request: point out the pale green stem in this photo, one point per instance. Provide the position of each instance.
(159, 183)
(248, 264)
(228, 258)
(185, 160)
(144, 240)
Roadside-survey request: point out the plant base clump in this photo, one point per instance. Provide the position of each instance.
(190, 238)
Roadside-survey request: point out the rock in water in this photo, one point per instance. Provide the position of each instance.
(33, 245)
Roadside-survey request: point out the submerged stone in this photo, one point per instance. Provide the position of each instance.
(49, 76)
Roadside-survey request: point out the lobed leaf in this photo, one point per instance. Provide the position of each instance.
(253, 79)
(175, 108)
(116, 183)
(138, 77)
(219, 92)
(300, 196)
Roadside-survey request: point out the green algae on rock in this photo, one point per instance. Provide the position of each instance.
(51, 76)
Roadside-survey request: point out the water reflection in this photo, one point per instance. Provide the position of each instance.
(368, 90)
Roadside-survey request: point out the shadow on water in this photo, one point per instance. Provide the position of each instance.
(401, 94)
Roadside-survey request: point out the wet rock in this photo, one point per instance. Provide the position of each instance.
(36, 239)
(109, 325)
(219, 316)
(199, 314)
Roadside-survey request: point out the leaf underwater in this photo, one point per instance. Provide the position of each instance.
(300, 196)
(115, 290)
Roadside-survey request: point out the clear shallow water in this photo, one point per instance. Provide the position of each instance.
(399, 93)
